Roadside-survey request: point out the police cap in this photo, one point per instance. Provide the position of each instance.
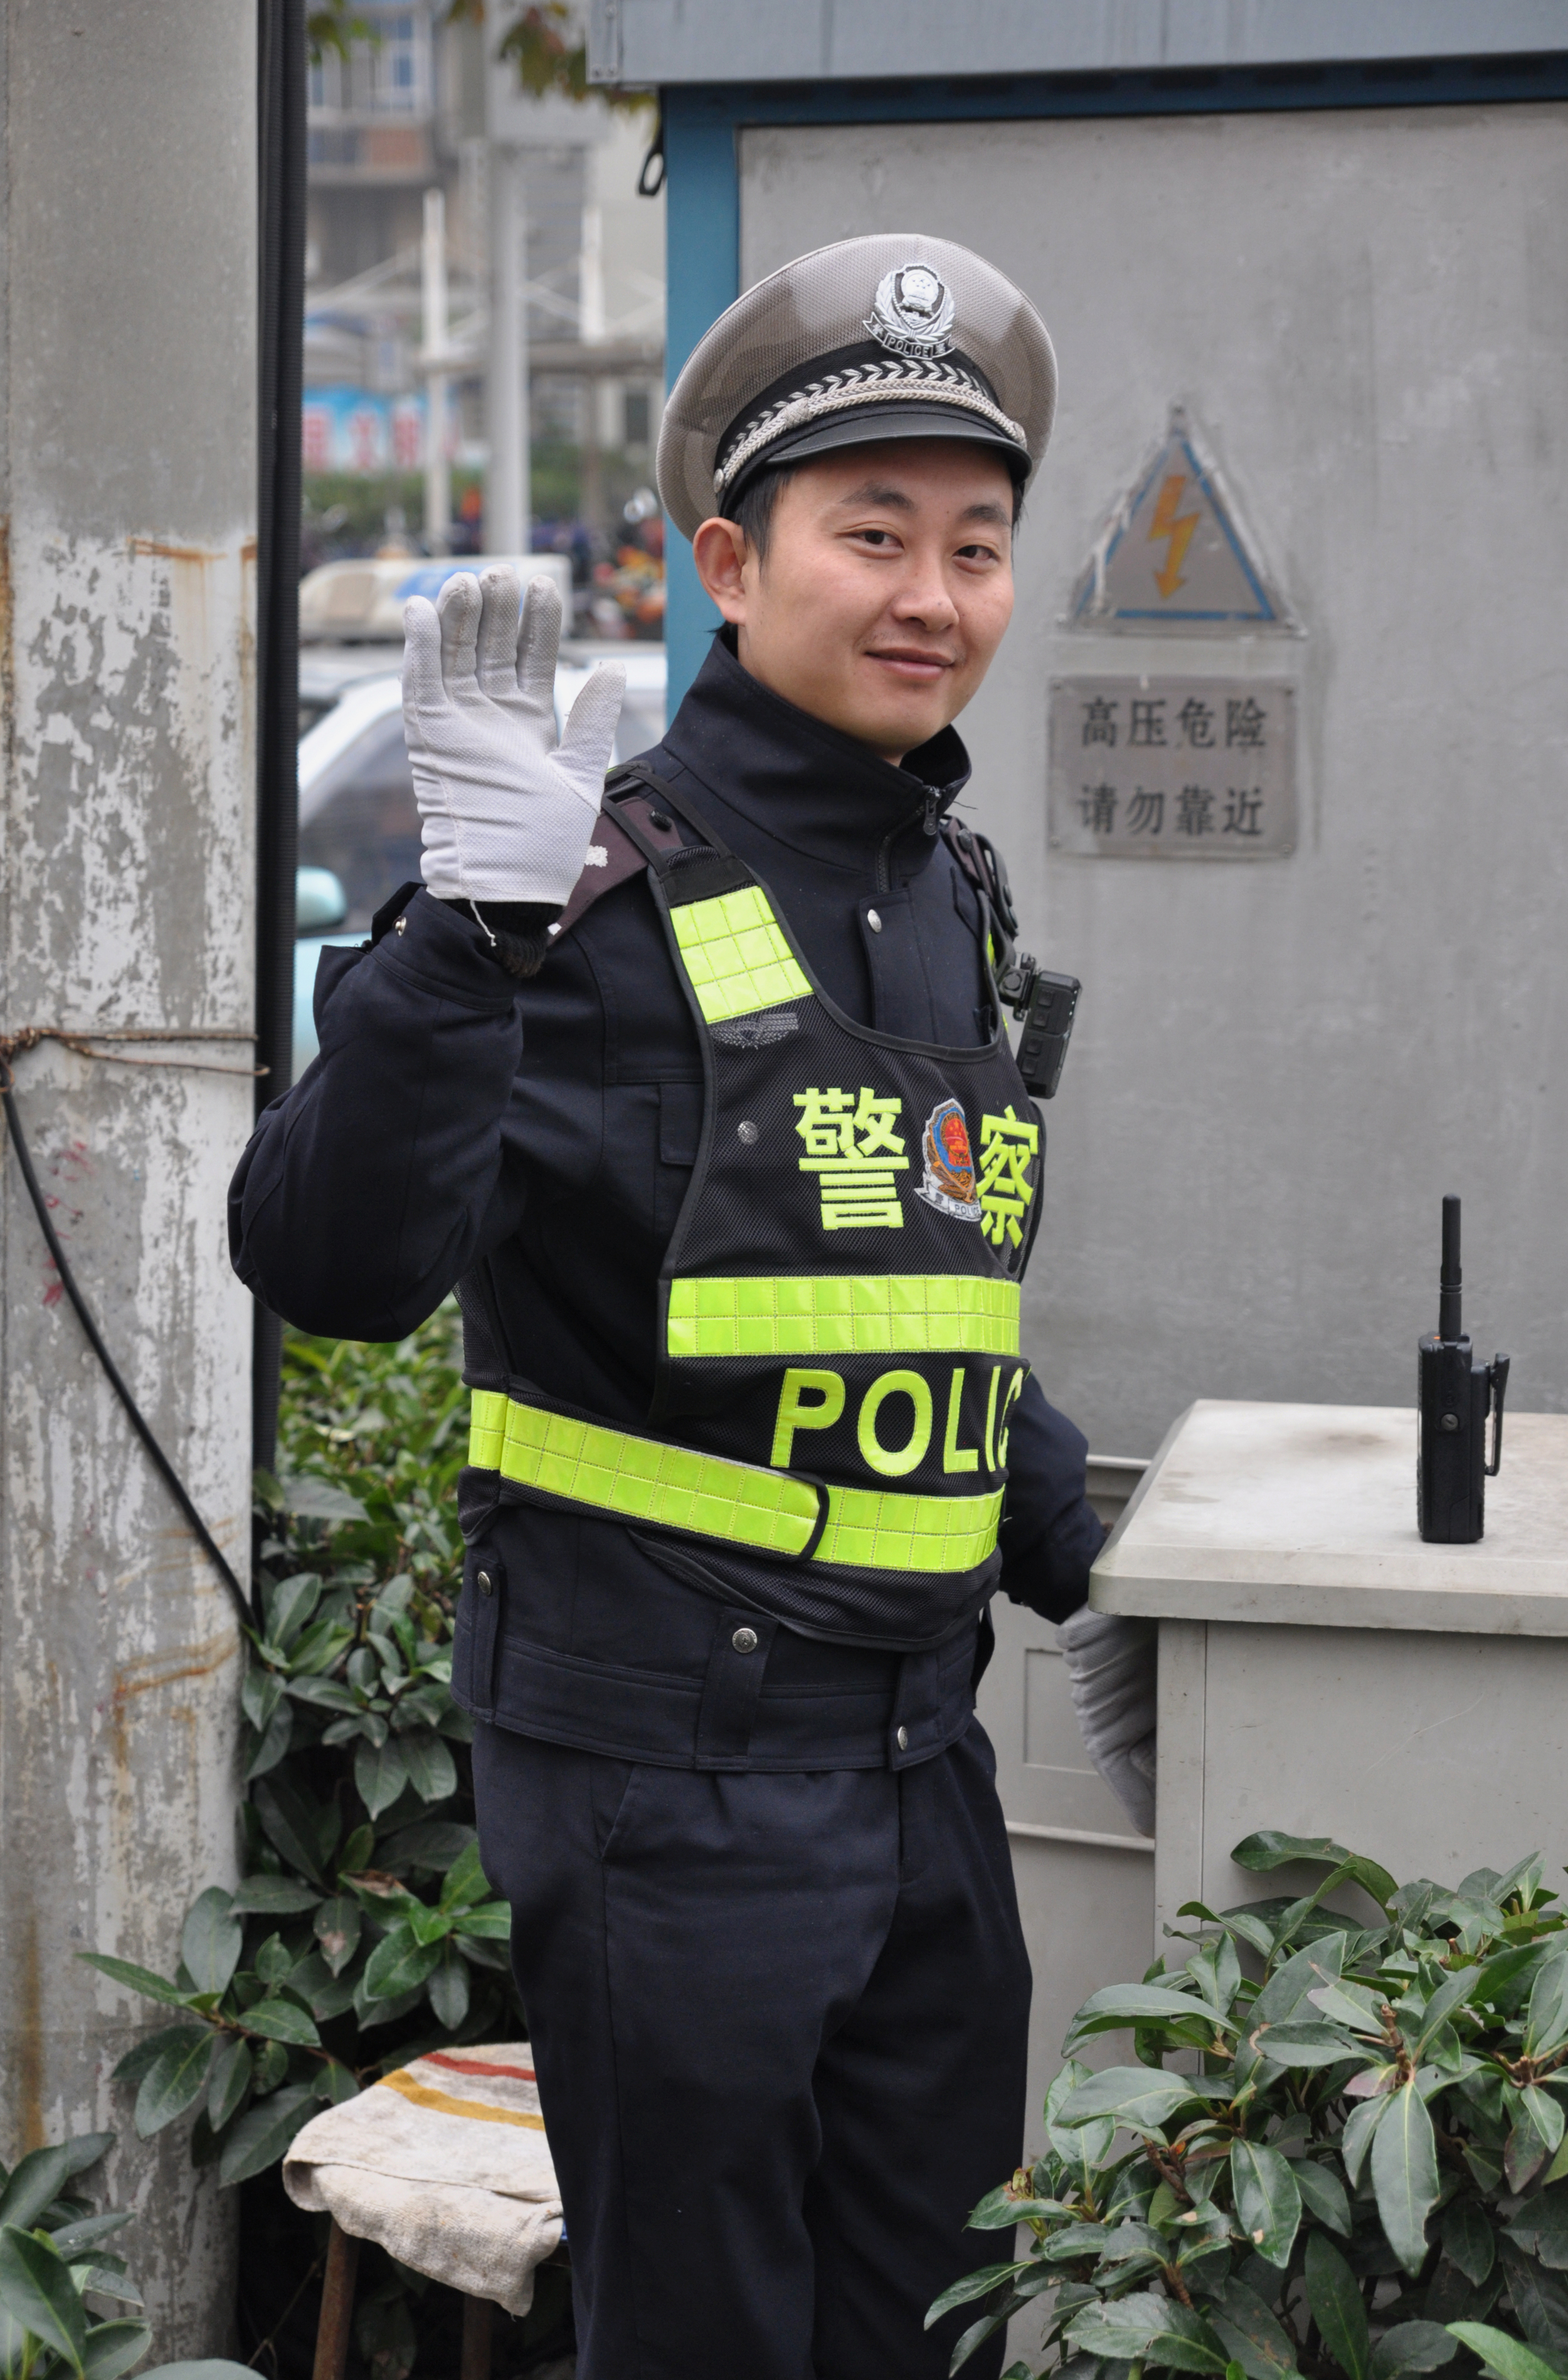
(895, 335)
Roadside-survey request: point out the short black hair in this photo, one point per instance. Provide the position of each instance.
(752, 510)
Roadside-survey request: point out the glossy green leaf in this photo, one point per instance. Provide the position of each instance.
(289, 1605)
(1528, 2146)
(335, 2083)
(1350, 2005)
(212, 2368)
(176, 2080)
(38, 2180)
(1322, 2194)
(1267, 2202)
(1296, 2043)
(36, 2291)
(1510, 2358)
(492, 1923)
(1268, 1849)
(435, 1845)
(228, 2081)
(999, 2208)
(398, 1964)
(286, 1822)
(1451, 1994)
(1540, 2301)
(280, 2019)
(272, 1962)
(449, 1990)
(380, 1775)
(1253, 2338)
(1334, 2295)
(1405, 2175)
(465, 1881)
(135, 1979)
(426, 1925)
(310, 1499)
(978, 2283)
(337, 1924)
(1305, 1971)
(114, 2347)
(1137, 2096)
(87, 2231)
(1121, 2004)
(1412, 2347)
(211, 1940)
(271, 2068)
(273, 1896)
(432, 1773)
(1355, 2141)
(264, 2132)
(1540, 2227)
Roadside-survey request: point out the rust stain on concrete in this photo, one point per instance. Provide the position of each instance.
(173, 553)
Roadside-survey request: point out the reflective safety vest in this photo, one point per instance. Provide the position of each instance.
(839, 1304)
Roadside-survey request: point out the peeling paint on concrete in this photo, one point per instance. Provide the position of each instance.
(127, 868)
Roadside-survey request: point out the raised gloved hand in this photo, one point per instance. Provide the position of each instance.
(1112, 1667)
(507, 813)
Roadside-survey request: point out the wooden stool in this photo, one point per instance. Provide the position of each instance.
(472, 2117)
(335, 2327)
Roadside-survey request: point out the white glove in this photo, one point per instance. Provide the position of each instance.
(1112, 1665)
(507, 817)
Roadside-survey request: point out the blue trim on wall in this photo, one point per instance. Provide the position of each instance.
(703, 121)
(703, 274)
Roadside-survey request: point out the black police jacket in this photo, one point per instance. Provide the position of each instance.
(534, 1140)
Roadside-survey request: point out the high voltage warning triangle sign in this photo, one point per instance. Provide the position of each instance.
(1175, 554)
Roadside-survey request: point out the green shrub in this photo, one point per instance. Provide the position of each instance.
(1341, 2151)
(363, 1930)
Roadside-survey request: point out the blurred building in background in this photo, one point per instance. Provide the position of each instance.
(408, 135)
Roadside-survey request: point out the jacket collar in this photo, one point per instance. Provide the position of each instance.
(795, 780)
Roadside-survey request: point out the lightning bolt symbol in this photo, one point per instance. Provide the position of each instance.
(1179, 533)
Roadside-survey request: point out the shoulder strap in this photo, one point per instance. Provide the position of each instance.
(981, 862)
(644, 822)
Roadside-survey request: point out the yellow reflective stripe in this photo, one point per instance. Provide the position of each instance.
(487, 1430)
(893, 1314)
(737, 959)
(672, 1487)
(882, 1530)
(677, 1487)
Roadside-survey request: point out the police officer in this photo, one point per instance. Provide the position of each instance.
(695, 1087)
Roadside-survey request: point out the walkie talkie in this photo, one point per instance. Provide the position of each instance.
(1455, 1397)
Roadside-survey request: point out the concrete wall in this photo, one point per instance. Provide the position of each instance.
(1278, 1067)
(128, 293)
(713, 41)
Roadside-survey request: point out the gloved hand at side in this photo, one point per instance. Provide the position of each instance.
(1111, 1666)
(507, 813)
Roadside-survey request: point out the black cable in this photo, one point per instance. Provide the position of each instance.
(281, 144)
(166, 1470)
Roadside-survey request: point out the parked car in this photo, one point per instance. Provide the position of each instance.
(358, 821)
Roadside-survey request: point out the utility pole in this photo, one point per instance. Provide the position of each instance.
(508, 508)
(590, 331)
(437, 352)
(128, 230)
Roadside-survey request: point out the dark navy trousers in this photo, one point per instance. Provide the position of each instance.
(779, 2023)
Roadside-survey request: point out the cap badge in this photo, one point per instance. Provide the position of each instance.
(913, 313)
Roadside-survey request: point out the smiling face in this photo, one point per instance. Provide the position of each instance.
(885, 589)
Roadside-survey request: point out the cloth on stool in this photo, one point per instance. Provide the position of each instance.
(445, 2165)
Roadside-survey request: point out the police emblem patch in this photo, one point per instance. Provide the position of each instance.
(949, 1183)
(912, 313)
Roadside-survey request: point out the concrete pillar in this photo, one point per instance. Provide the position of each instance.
(128, 303)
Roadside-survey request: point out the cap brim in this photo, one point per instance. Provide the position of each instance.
(877, 425)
